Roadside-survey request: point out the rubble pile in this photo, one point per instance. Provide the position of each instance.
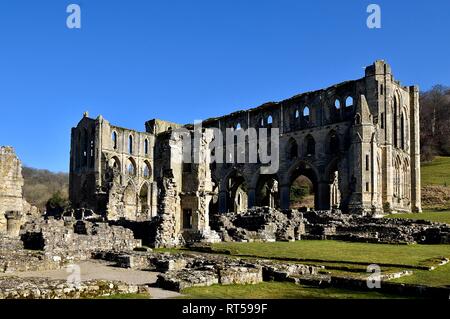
(259, 224)
(336, 225)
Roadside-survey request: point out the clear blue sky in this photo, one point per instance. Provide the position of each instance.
(186, 60)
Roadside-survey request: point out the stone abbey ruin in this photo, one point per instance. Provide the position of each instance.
(357, 142)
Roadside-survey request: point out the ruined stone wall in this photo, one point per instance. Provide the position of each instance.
(357, 141)
(11, 182)
(66, 241)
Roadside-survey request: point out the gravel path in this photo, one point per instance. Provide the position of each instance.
(92, 270)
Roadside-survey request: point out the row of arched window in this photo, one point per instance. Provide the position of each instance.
(303, 114)
(401, 179)
(114, 138)
(332, 146)
(131, 167)
(399, 126)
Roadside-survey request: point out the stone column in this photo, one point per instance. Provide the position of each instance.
(416, 205)
(13, 222)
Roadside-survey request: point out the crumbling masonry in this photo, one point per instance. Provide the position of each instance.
(357, 141)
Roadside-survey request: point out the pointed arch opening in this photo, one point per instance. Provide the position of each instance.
(147, 170)
(131, 167)
(130, 144)
(144, 199)
(292, 149)
(267, 191)
(114, 140)
(349, 101)
(310, 145)
(302, 187)
(237, 190)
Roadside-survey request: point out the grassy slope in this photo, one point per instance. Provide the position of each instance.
(436, 172)
(277, 290)
(438, 277)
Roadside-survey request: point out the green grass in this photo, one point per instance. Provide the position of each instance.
(278, 290)
(434, 216)
(339, 252)
(440, 277)
(436, 172)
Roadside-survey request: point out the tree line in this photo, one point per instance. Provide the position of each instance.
(435, 122)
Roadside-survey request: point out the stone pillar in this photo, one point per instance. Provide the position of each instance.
(416, 205)
(251, 197)
(285, 196)
(222, 201)
(13, 223)
(154, 199)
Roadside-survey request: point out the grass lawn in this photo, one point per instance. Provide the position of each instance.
(438, 277)
(277, 290)
(436, 172)
(340, 252)
(435, 216)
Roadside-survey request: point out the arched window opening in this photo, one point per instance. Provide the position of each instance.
(146, 147)
(187, 218)
(349, 101)
(269, 119)
(114, 140)
(114, 163)
(131, 168)
(144, 199)
(292, 149)
(334, 143)
(297, 114)
(306, 113)
(238, 126)
(337, 104)
(395, 125)
(130, 144)
(261, 122)
(147, 170)
(310, 145)
(402, 132)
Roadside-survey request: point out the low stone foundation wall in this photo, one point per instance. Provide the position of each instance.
(68, 241)
(14, 258)
(41, 288)
(180, 271)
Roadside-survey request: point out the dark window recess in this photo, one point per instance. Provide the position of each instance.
(187, 218)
